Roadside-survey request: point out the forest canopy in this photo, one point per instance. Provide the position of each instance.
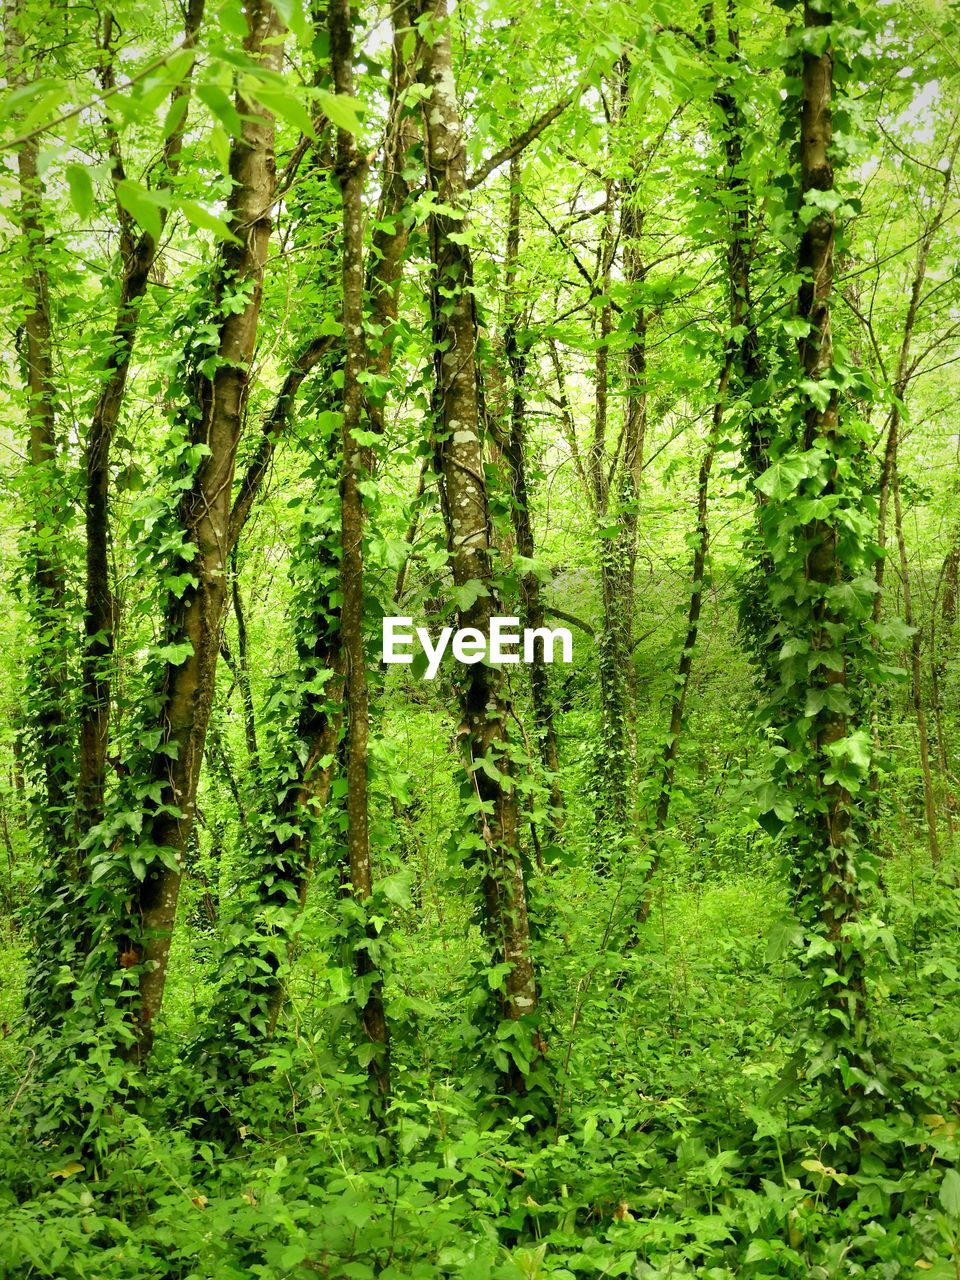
(634, 951)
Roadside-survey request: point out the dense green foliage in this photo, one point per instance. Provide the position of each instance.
(633, 318)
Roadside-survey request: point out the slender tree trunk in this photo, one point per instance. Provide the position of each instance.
(916, 676)
(483, 731)
(614, 774)
(567, 424)
(937, 667)
(205, 513)
(243, 662)
(515, 454)
(319, 728)
(903, 374)
(351, 173)
(289, 858)
(833, 886)
(48, 583)
(634, 435)
(138, 256)
(742, 351)
(392, 232)
(668, 759)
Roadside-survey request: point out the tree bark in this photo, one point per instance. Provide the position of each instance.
(464, 500)
(515, 453)
(834, 886)
(351, 174)
(48, 582)
(138, 256)
(916, 676)
(205, 514)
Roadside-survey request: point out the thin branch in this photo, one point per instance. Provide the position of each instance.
(520, 142)
(273, 427)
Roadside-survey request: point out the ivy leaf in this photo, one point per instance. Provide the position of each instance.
(469, 593)
(783, 477)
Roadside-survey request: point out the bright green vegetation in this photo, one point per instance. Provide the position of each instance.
(633, 318)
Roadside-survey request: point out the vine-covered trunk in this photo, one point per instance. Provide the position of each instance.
(827, 862)
(42, 487)
(351, 172)
(457, 438)
(138, 254)
(671, 746)
(206, 518)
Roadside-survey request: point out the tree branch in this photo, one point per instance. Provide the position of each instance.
(273, 427)
(520, 142)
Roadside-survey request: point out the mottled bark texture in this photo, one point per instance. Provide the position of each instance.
(464, 498)
(205, 513)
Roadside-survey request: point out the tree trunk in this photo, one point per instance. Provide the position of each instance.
(464, 499)
(614, 772)
(351, 173)
(42, 485)
(138, 256)
(742, 351)
(515, 453)
(668, 759)
(242, 671)
(205, 513)
(826, 867)
(903, 374)
(916, 676)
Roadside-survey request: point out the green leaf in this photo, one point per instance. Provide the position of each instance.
(81, 189)
(220, 104)
(783, 477)
(469, 593)
(143, 205)
(286, 105)
(950, 1193)
(203, 219)
(341, 110)
(175, 115)
(396, 889)
(292, 13)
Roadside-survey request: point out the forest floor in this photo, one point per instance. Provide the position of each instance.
(664, 1150)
